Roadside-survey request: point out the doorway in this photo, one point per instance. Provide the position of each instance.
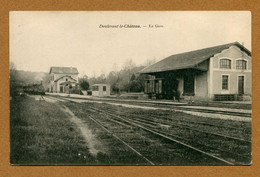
(61, 89)
(188, 85)
(241, 80)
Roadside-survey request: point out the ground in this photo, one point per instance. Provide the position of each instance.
(62, 132)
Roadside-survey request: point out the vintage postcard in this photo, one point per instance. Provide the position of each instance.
(130, 88)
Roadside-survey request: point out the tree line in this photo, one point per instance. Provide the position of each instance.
(128, 79)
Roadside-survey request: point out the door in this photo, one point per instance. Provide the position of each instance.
(240, 84)
(188, 85)
(61, 89)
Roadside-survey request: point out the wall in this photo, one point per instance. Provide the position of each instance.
(51, 82)
(200, 87)
(201, 83)
(64, 80)
(57, 76)
(100, 91)
(233, 53)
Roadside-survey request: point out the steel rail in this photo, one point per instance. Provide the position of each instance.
(171, 139)
(199, 122)
(187, 127)
(185, 139)
(122, 141)
(160, 134)
(116, 137)
(181, 108)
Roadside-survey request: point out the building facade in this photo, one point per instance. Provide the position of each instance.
(216, 73)
(100, 90)
(63, 79)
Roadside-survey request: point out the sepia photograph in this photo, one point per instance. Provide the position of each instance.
(145, 88)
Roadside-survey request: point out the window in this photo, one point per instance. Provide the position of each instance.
(225, 63)
(66, 79)
(94, 88)
(241, 64)
(104, 88)
(224, 82)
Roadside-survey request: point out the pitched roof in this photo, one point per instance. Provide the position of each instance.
(63, 70)
(189, 59)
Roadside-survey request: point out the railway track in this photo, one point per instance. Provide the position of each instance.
(151, 126)
(183, 108)
(181, 124)
(121, 140)
(176, 107)
(199, 123)
(167, 137)
(203, 148)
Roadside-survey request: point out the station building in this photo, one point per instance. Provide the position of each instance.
(100, 90)
(217, 73)
(63, 79)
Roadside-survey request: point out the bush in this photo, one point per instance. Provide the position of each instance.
(84, 85)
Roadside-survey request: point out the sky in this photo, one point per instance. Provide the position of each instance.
(41, 39)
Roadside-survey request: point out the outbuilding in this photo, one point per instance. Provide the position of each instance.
(217, 73)
(100, 90)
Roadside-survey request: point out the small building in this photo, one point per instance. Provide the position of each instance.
(100, 90)
(217, 73)
(63, 79)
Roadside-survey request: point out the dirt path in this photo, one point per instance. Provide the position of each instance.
(92, 142)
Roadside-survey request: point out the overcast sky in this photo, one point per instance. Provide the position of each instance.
(39, 40)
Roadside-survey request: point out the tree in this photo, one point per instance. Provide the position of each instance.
(13, 78)
(84, 85)
(137, 83)
(85, 77)
(133, 77)
(128, 66)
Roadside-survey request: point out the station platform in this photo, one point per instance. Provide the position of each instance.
(220, 104)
